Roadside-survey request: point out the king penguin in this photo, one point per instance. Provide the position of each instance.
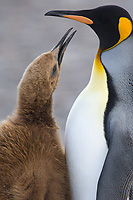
(99, 128)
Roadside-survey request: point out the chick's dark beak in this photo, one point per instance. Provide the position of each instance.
(62, 45)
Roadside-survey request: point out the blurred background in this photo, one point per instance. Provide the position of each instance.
(25, 33)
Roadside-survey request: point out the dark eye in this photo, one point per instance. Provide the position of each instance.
(54, 70)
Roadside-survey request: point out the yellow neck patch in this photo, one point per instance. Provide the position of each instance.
(125, 29)
(97, 62)
(98, 79)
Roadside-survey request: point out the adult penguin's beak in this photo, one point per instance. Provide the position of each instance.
(75, 15)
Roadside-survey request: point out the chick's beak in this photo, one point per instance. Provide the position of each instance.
(62, 45)
(75, 15)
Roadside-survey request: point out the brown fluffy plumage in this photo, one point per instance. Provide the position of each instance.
(32, 162)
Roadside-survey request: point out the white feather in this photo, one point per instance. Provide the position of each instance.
(86, 146)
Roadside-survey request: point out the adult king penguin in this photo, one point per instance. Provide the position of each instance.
(100, 124)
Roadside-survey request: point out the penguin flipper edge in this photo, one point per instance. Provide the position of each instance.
(116, 180)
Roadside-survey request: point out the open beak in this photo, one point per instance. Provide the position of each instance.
(62, 45)
(75, 15)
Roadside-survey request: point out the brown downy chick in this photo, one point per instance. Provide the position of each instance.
(32, 161)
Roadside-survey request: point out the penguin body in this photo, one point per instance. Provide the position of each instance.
(32, 161)
(114, 64)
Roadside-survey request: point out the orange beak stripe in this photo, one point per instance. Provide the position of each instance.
(81, 19)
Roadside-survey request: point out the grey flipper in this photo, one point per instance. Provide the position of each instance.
(117, 175)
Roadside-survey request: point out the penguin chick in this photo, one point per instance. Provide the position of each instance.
(32, 161)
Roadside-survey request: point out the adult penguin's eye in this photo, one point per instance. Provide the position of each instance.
(54, 70)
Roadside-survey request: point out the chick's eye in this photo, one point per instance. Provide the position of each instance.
(54, 70)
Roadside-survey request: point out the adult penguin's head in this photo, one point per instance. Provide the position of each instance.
(111, 23)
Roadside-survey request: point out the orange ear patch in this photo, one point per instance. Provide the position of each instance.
(125, 28)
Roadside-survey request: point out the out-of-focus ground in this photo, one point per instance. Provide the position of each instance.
(25, 33)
